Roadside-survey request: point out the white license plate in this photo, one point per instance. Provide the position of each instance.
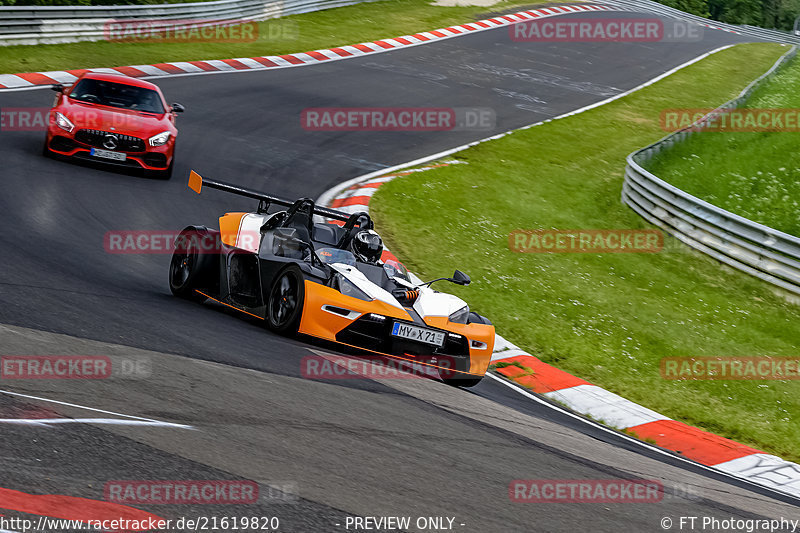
(428, 336)
(107, 154)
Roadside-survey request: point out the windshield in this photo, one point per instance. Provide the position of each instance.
(395, 269)
(335, 255)
(117, 95)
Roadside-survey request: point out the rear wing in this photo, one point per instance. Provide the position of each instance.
(197, 182)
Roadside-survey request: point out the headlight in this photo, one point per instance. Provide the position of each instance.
(348, 289)
(160, 139)
(460, 316)
(64, 123)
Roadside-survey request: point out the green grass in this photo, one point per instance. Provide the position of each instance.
(752, 174)
(608, 318)
(299, 33)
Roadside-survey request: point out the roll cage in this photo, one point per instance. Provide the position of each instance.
(298, 216)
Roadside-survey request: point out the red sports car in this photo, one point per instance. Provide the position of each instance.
(114, 119)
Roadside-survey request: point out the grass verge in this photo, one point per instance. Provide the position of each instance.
(299, 33)
(752, 174)
(608, 318)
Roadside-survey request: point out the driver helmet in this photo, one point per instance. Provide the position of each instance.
(367, 246)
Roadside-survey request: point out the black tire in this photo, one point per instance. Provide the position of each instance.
(46, 151)
(285, 302)
(167, 174)
(159, 174)
(463, 382)
(191, 268)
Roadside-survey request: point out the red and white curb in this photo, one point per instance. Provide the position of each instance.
(178, 68)
(590, 400)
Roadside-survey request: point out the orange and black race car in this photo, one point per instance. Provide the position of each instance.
(299, 274)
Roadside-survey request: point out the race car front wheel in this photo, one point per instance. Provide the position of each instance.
(285, 305)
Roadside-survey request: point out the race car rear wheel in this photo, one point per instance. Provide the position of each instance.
(285, 304)
(190, 269)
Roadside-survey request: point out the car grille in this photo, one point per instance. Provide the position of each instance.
(125, 143)
(374, 335)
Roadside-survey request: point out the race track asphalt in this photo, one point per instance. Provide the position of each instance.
(348, 447)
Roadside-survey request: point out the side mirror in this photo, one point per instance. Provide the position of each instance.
(59, 88)
(178, 108)
(459, 278)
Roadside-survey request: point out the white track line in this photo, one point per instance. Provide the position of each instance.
(632, 440)
(109, 421)
(139, 418)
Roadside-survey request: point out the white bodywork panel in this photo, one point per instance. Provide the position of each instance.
(432, 303)
(249, 236)
(429, 303)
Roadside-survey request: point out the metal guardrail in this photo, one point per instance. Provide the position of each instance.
(759, 250)
(666, 11)
(63, 24)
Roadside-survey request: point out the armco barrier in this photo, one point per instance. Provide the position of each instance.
(62, 24)
(759, 250)
(666, 11)
(65, 24)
